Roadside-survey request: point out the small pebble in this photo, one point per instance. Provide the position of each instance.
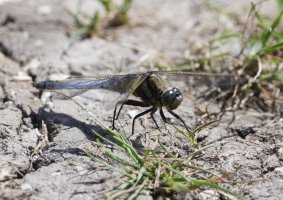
(45, 97)
(44, 10)
(56, 174)
(26, 186)
(279, 170)
(22, 76)
(133, 113)
(32, 64)
(56, 77)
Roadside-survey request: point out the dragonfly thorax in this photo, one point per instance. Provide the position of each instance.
(171, 98)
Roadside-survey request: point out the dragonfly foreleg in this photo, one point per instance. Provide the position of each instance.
(153, 109)
(151, 114)
(179, 118)
(165, 119)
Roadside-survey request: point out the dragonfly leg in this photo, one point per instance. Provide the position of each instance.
(151, 114)
(131, 102)
(179, 118)
(153, 109)
(127, 102)
(119, 111)
(165, 119)
(114, 114)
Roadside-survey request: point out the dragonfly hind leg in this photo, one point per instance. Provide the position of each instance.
(115, 117)
(129, 102)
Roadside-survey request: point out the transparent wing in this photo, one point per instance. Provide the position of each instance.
(123, 84)
(68, 93)
(196, 79)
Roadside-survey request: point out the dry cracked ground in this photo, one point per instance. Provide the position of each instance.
(41, 147)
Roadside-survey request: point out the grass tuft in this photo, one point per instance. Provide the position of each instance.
(150, 173)
(87, 26)
(87, 29)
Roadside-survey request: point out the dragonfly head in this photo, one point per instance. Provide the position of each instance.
(171, 98)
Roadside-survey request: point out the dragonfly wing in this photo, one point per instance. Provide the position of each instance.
(123, 84)
(68, 94)
(129, 88)
(216, 80)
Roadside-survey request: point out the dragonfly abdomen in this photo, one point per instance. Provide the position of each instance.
(44, 85)
(75, 84)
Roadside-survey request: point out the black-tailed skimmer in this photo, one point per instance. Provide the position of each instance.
(147, 86)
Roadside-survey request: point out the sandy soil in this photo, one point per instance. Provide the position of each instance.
(42, 149)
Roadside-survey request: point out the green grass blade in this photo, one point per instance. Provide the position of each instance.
(190, 137)
(280, 4)
(124, 9)
(199, 128)
(260, 44)
(107, 4)
(140, 175)
(119, 159)
(277, 46)
(94, 22)
(207, 183)
(274, 75)
(260, 20)
(273, 26)
(136, 193)
(123, 144)
(225, 35)
(100, 160)
(165, 149)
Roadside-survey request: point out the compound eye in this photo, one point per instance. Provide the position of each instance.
(172, 98)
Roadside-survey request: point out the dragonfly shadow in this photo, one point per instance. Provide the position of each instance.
(54, 120)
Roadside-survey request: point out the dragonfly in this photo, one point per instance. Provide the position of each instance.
(148, 87)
